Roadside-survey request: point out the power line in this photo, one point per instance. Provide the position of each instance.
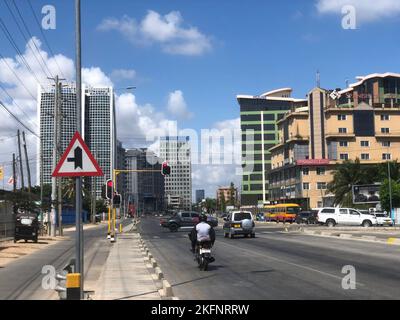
(15, 46)
(18, 120)
(15, 103)
(16, 75)
(30, 35)
(45, 38)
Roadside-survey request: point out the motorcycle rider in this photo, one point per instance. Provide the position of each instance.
(202, 232)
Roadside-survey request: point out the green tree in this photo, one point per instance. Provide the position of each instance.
(385, 196)
(222, 202)
(394, 171)
(346, 175)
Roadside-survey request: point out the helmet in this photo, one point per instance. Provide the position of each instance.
(203, 218)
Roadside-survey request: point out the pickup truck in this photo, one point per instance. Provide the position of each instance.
(184, 219)
(345, 216)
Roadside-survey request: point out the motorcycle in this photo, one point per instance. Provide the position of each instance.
(203, 255)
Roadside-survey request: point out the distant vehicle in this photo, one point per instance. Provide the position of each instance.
(184, 219)
(239, 223)
(345, 216)
(307, 217)
(284, 212)
(26, 227)
(98, 217)
(260, 216)
(382, 218)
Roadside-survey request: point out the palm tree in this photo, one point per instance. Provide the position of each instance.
(346, 175)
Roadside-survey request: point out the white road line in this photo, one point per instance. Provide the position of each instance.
(294, 264)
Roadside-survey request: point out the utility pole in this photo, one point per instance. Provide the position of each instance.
(390, 190)
(79, 268)
(14, 181)
(27, 163)
(20, 162)
(56, 117)
(59, 180)
(14, 174)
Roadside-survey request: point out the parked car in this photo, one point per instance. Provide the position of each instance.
(307, 217)
(383, 219)
(239, 222)
(345, 216)
(184, 219)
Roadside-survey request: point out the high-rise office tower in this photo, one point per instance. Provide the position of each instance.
(258, 118)
(178, 186)
(98, 129)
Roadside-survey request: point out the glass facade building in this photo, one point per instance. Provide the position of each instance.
(258, 118)
(98, 129)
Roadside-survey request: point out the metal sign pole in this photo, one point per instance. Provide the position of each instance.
(78, 180)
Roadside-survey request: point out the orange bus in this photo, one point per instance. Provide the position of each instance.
(284, 212)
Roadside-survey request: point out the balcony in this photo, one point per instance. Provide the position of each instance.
(334, 135)
(390, 135)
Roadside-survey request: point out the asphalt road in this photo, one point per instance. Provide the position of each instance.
(22, 279)
(275, 265)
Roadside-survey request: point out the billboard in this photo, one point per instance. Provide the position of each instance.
(366, 193)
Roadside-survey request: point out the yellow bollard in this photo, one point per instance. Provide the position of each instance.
(109, 220)
(120, 228)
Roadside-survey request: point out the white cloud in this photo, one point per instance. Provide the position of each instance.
(177, 105)
(123, 74)
(165, 30)
(95, 77)
(366, 10)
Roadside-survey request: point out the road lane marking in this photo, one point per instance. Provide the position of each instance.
(294, 264)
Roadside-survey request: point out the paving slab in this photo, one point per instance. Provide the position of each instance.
(125, 275)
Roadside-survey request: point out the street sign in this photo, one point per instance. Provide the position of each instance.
(77, 161)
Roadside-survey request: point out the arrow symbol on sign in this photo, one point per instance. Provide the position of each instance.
(77, 158)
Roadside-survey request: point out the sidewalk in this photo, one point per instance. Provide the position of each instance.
(125, 275)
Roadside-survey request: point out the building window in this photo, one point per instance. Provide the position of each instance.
(306, 171)
(384, 130)
(344, 156)
(341, 117)
(385, 117)
(320, 171)
(343, 143)
(385, 143)
(342, 130)
(364, 143)
(306, 186)
(386, 156)
(364, 156)
(321, 185)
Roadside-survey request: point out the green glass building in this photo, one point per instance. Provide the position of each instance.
(258, 117)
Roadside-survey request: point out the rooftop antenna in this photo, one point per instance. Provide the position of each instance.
(318, 78)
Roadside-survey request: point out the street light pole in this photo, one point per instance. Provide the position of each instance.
(390, 189)
(78, 180)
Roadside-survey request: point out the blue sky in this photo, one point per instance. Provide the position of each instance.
(247, 48)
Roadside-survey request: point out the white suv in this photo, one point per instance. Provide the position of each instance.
(345, 216)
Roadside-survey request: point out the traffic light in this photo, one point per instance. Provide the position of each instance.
(109, 189)
(165, 169)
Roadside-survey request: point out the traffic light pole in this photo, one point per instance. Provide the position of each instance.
(112, 208)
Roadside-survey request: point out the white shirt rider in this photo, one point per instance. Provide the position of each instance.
(203, 231)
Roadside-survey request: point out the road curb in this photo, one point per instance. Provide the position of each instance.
(165, 288)
(348, 236)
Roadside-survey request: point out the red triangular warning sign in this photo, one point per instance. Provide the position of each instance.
(77, 161)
